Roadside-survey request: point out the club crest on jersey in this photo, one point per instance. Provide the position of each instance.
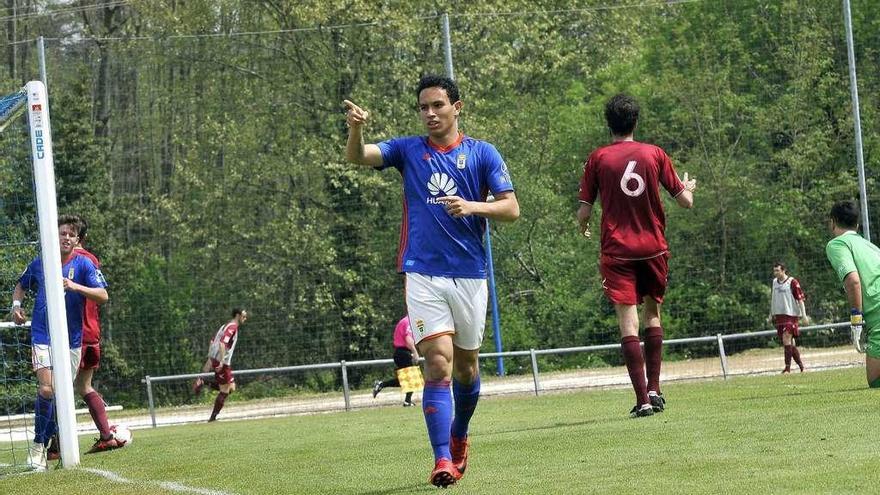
(461, 161)
(70, 273)
(420, 326)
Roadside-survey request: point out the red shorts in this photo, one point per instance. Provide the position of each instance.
(91, 357)
(629, 281)
(223, 376)
(786, 323)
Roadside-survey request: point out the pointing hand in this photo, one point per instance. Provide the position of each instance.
(355, 115)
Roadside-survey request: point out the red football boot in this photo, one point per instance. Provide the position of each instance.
(458, 447)
(105, 445)
(444, 474)
(52, 452)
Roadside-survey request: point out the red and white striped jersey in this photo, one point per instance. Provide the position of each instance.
(226, 336)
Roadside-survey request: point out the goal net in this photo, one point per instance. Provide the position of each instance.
(28, 229)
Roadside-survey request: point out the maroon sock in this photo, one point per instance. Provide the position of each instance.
(653, 356)
(788, 357)
(635, 365)
(98, 411)
(796, 354)
(218, 404)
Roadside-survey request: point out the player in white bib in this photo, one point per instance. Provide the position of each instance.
(786, 308)
(220, 360)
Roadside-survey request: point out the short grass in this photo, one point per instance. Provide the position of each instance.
(810, 433)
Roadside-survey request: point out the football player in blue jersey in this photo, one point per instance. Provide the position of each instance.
(447, 178)
(81, 281)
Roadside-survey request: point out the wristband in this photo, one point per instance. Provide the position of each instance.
(856, 317)
(16, 304)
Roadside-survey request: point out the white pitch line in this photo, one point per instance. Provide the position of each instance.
(167, 485)
(177, 487)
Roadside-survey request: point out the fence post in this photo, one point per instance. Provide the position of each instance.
(535, 370)
(857, 119)
(150, 399)
(723, 355)
(447, 46)
(345, 391)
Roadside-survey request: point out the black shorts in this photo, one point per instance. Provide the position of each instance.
(402, 358)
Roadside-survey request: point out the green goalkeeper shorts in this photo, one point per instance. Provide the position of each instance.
(872, 348)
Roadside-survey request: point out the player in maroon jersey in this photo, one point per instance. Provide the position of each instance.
(786, 308)
(626, 176)
(90, 361)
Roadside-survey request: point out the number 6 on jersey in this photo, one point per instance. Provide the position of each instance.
(628, 175)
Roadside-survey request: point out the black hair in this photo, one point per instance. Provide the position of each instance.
(845, 214)
(71, 220)
(237, 311)
(83, 227)
(442, 82)
(622, 114)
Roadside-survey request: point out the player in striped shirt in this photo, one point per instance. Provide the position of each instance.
(220, 360)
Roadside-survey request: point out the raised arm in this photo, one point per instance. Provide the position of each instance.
(355, 150)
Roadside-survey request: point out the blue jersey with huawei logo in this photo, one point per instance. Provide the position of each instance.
(77, 268)
(432, 242)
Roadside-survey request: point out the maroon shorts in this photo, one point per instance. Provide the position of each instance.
(91, 357)
(629, 281)
(786, 323)
(223, 376)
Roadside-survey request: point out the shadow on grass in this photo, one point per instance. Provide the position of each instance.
(554, 426)
(811, 392)
(419, 487)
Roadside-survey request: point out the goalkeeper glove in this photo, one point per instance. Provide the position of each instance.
(857, 330)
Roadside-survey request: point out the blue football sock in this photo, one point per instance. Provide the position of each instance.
(44, 419)
(466, 397)
(437, 407)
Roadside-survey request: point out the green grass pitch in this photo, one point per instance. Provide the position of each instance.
(799, 433)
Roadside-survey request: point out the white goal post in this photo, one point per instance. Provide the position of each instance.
(50, 254)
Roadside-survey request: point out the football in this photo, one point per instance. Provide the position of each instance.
(122, 435)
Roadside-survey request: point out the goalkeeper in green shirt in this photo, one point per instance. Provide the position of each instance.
(857, 264)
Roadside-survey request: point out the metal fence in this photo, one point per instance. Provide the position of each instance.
(723, 367)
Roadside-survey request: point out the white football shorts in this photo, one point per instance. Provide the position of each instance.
(447, 306)
(42, 358)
